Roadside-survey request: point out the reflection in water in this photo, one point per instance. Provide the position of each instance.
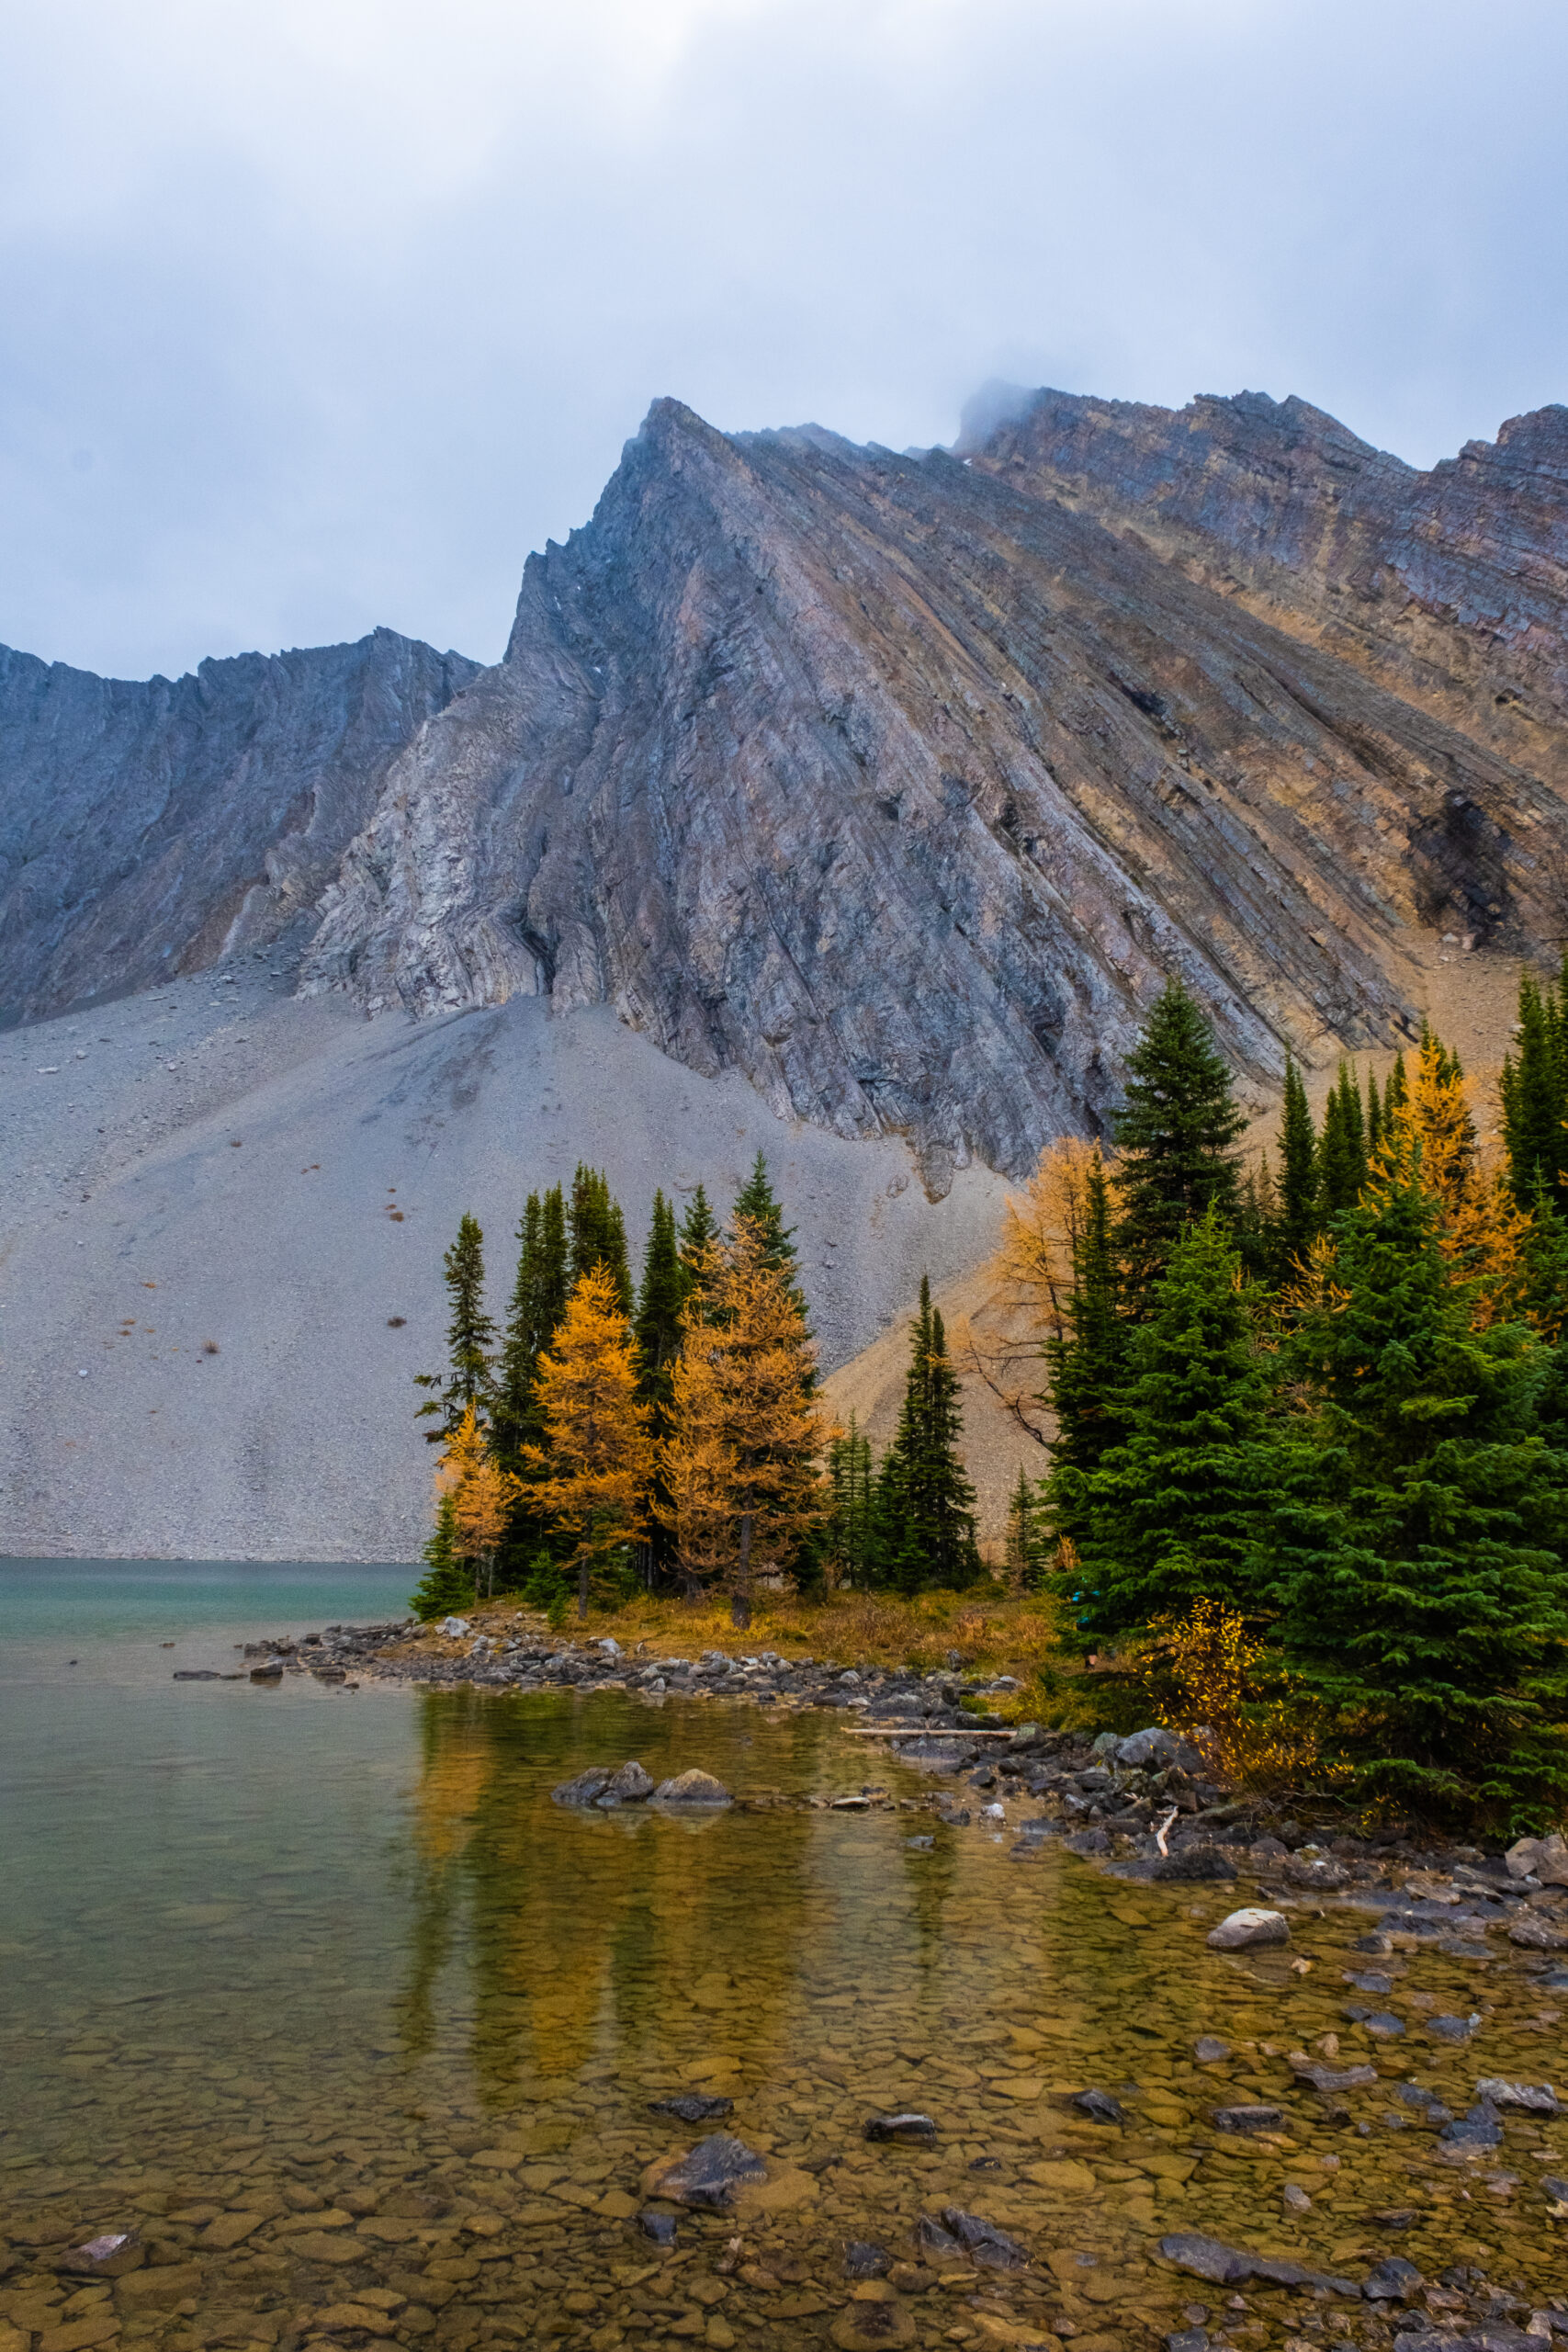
(332, 1973)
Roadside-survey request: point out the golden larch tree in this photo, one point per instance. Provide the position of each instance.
(1481, 1229)
(597, 1458)
(482, 1496)
(741, 1466)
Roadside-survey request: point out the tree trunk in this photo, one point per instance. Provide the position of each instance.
(740, 1598)
(582, 1585)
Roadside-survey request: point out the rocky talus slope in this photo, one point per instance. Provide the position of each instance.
(147, 829)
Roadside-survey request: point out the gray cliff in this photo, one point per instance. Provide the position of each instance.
(147, 828)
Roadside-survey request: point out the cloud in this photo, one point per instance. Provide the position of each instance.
(315, 316)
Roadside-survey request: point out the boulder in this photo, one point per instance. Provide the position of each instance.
(628, 1785)
(708, 2174)
(691, 1788)
(452, 1626)
(1539, 2098)
(1532, 1932)
(983, 2242)
(1196, 1862)
(1479, 2129)
(584, 1788)
(1099, 2106)
(1156, 1749)
(1247, 1928)
(1229, 2265)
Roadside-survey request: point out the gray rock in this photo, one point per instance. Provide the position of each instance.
(628, 1785)
(1152, 1750)
(1393, 2281)
(1295, 2200)
(915, 2130)
(1367, 1979)
(1229, 2265)
(710, 2174)
(111, 2255)
(1247, 1928)
(1538, 2099)
(1555, 2187)
(1099, 2106)
(1199, 1864)
(935, 2243)
(1248, 2119)
(691, 1788)
(1478, 2128)
(583, 1788)
(660, 2227)
(1332, 2079)
(1209, 2049)
(983, 2242)
(1188, 2339)
(863, 2261)
(1532, 1932)
(692, 2107)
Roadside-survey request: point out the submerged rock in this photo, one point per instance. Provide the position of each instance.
(1099, 2106)
(692, 2107)
(708, 2174)
(1245, 1928)
(984, 2242)
(866, 2327)
(1248, 2119)
(660, 2227)
(913, 2129)
(863, 2261)
(630, 1785)
(1478, 2128)
(1393, 2281)
(1229, 2265)
(584, 1788)
(1539, 2099)
(937, 2244)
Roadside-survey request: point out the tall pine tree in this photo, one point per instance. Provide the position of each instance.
(1174, 1512)
(1342, 1155)
(1535, 1102)
(1298, 1175)
(698, 1242)
(925, 1505)
(596, 1234)
(849, 1547)
(657, 1327)
(1175, 1136)
(470, 1338)
(1086, 1366)
(758, 1203)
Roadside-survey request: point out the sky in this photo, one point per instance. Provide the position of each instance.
(316, 314)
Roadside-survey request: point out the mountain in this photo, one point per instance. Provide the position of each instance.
(150, 829)
(845, 804)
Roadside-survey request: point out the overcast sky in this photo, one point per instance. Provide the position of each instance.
(318, 313)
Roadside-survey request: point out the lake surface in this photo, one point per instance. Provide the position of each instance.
(316, 1988)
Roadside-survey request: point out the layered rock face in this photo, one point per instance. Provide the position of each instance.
(901, 783)
(146, 828)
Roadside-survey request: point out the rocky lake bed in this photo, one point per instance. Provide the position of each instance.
(554, 1994)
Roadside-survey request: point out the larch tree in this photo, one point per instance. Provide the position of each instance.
(593, 1469)
(756, 1204)
(1174, 1135)
(741, 1466)
(1431, 1136)
(481, 1495)
(470, 1338)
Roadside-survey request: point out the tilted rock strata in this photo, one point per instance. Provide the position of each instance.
(147, 827)
(901, 788)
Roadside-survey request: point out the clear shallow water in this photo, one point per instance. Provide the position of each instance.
(260, 1947)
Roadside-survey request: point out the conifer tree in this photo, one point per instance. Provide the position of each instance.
(1535, 1102)
(1342, 1154)
(698, 1243)
(657, 1331)
(593, 1469)
(1086, 1367)
(1419, 1549)
(482, 1496)
(446, 1586)
(1025, 1550)
(1298, 1173)
(851, 1488)
(597, 1234)
(1375, 1122)
(1174, 1135)
(538, 1303)
(1431, 1135)
(1396, 1090)
(757, 1202)
(1174, 1511)
(925, 1505)
(471, 1337)
(740, 1465)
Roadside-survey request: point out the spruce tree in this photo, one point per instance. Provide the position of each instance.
(1175, 1509)
(925, 1505)
(1175, 1135)
(657, 1327)
(757, 1201)
(1297, 1174)
(533, 1319)
(1376, 1122)
(698, 1242)
(447, 1585)
(1026, 1550)
(470, 1338)
(1535, 1103)
(1342, 1155)
(597, 1234)
(1086, 1365)
(1396, 1092)
(848, 1548)
(1419, 1547)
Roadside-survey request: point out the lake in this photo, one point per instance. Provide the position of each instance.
(316, 1990)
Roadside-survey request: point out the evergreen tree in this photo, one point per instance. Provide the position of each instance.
(1396, 1092)
(1342, 1155)
(447, 1585)
(848, 1548)
(1175, 1135)
(1174, 1511)
(757, 1204)
(657, 1332)
(1086, 1366)
(1419, 1549)
(1535, 1102)
(698, 1242)
(534, 1316)
(925, 1505)
(1298, 1175)
(470, 1338)
(1025, 1552)
(597, 1234)
(1376, 1122)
